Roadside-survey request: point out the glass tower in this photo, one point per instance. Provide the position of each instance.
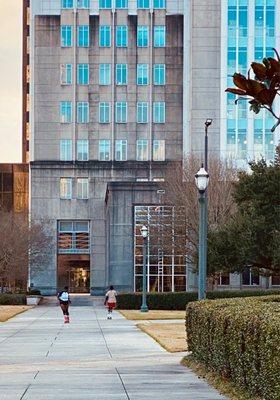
(250, 37)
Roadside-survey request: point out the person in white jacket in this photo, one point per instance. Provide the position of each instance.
(111, 301)
(64, 301)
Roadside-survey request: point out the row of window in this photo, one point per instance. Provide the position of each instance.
(66, 147)
(122, 4)
(121, 74)
(121, 39)
(121, 112)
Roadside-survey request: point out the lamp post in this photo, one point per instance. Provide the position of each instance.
(144, 233)
(201, 181)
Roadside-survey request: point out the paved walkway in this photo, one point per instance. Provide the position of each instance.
(91, 358)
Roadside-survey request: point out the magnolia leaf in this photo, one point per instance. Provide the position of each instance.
(240, 81)
(236, 91)
(259, 70)
(274, 65)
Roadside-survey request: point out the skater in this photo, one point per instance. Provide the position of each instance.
(110, 301)
(64, 301)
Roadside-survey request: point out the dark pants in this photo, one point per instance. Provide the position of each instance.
(64, 305)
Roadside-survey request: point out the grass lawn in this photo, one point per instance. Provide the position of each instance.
(7, 312)
(152, 314)
(224, 386)
(172, 337)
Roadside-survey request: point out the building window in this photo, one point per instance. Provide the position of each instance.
(66, 74)
(142, 112)
(66, 188)
(121, 36)
(104, 150)
(142, 150)
(65, 112)
(121, 3)
(105, 3)
(142, 36)
(65, 150)
(83, 74)
(250, 277)
(105, 36)
(66, 3)
(121, 74)
(82, 150)
(275, 280)
(142, 74)
(82, 188)
(159, 150)
(159, 4)
(73, 237)
(105, 74)
(159, 74)
(143, 3)
(104, 113)
(165, 253)
(82, 112)
(83, 3)
(83, 36)
(66, 36)
(159, 36)
(121, 150)
(121, 112)
(159, 112)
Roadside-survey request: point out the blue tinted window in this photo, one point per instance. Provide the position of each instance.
(66, 36)
(105, 74)
(83, 74)
(159, 74)
(105, 3)
(105, 36)
(83, 36)
(142, 74)
(66, 3)
(121, 74)
(142, 36)
(159, 4)
(82, 112)
(159, 36)
(65, 112)
(121, 36)
(83, 3)
(104, 113)
(143, 3)
(121, 3)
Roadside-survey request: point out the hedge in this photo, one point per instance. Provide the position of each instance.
(239, 339)
(179, 300)
(12, 299)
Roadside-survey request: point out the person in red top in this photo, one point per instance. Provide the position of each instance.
(111, 301)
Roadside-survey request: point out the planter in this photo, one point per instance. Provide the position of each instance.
(33, 300)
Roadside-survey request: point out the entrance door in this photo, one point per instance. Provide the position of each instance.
(79, 279)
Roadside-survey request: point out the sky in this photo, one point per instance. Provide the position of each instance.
(10, 80)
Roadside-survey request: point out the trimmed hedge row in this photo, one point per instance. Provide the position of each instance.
(239, 339)
(179, 300)
(12, 299)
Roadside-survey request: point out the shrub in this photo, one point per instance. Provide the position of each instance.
(12, 299)
(239, 339)
(179, 300)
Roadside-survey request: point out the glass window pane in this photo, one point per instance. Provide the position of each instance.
(121, 36)
(83, 74)
(159, 150)
(67, 3)
(143, 3)
(82, 150)
(65, 112)
(159, 74)
(82, 112)
(104, 150)
(66, 188)
(159, 4)
(105, 36)
(104, 74)
(142, 74)
(142, 36)
(66, 36)
(83, 3)
(105, 3)
(66, 150)
(159, 112)
(121, 112)
(104, 113)
(82, 188)
(159, 36)
(121, 74)
(121, 150)
(142, 150)
(142, 112)
(121, 3)
(66, 74)
(83, 36)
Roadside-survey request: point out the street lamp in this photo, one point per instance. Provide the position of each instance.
(201, 181)
(144, 233)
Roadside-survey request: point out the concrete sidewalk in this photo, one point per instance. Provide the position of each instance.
(91, 358)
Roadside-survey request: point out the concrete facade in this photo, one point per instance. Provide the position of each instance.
(193, 91)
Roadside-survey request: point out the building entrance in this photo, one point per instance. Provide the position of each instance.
(74, 272)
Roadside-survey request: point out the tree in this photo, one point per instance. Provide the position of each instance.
(251, 237)
(183, 194)
(263, 89)
(20, 243)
